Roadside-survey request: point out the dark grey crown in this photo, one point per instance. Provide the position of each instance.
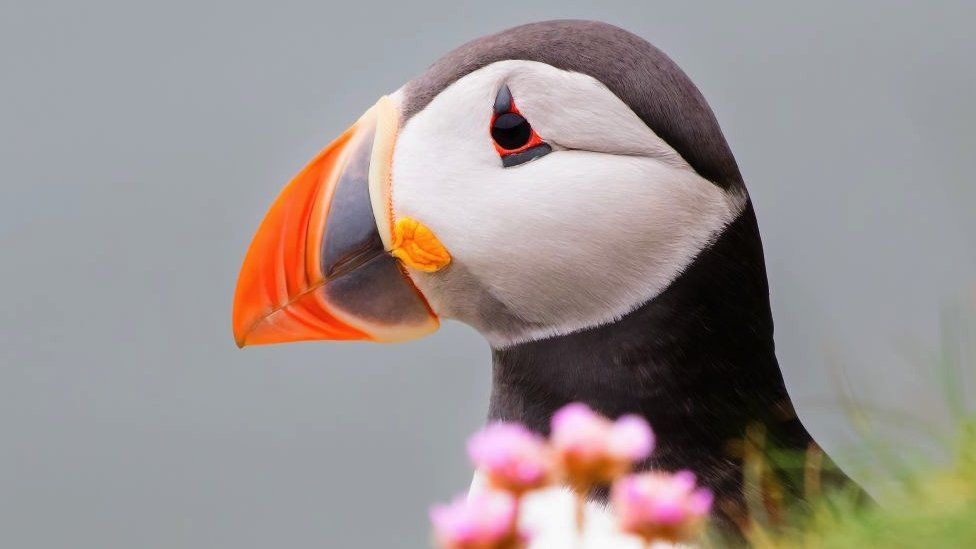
(641, 75)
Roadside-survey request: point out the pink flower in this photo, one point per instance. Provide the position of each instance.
(513, 458)
(630, 438)
(661, 506)
(592, 449)
(487, 520)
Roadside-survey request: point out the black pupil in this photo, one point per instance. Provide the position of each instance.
(511, 131)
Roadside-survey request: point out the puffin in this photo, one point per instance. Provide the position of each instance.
(565, 189)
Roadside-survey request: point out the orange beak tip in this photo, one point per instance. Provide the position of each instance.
(294, 287)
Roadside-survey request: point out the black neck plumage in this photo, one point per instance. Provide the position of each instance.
(697, 361)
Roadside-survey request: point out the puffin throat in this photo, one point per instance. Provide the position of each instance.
(697, 361)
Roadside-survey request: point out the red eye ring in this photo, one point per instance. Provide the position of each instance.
(512, 133)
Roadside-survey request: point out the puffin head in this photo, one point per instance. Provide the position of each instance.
(534, 183)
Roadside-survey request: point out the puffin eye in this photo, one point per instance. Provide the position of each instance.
(514, 138)
(511, 131)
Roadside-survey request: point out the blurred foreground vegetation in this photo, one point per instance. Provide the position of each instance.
(928, 504)
(931, 507)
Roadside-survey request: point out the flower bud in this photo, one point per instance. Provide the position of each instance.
(486, 520)
(660, 506)
(512, 458)
(591, 449)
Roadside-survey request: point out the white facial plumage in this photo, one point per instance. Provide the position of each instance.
(577, 238)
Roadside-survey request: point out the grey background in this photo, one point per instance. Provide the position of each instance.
(140, 143)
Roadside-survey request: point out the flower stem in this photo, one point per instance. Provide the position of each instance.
(580, 512)
(518, 513)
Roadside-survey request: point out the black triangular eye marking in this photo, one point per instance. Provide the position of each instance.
(503, 101)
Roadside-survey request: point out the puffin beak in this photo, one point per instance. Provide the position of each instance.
(328, 260)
